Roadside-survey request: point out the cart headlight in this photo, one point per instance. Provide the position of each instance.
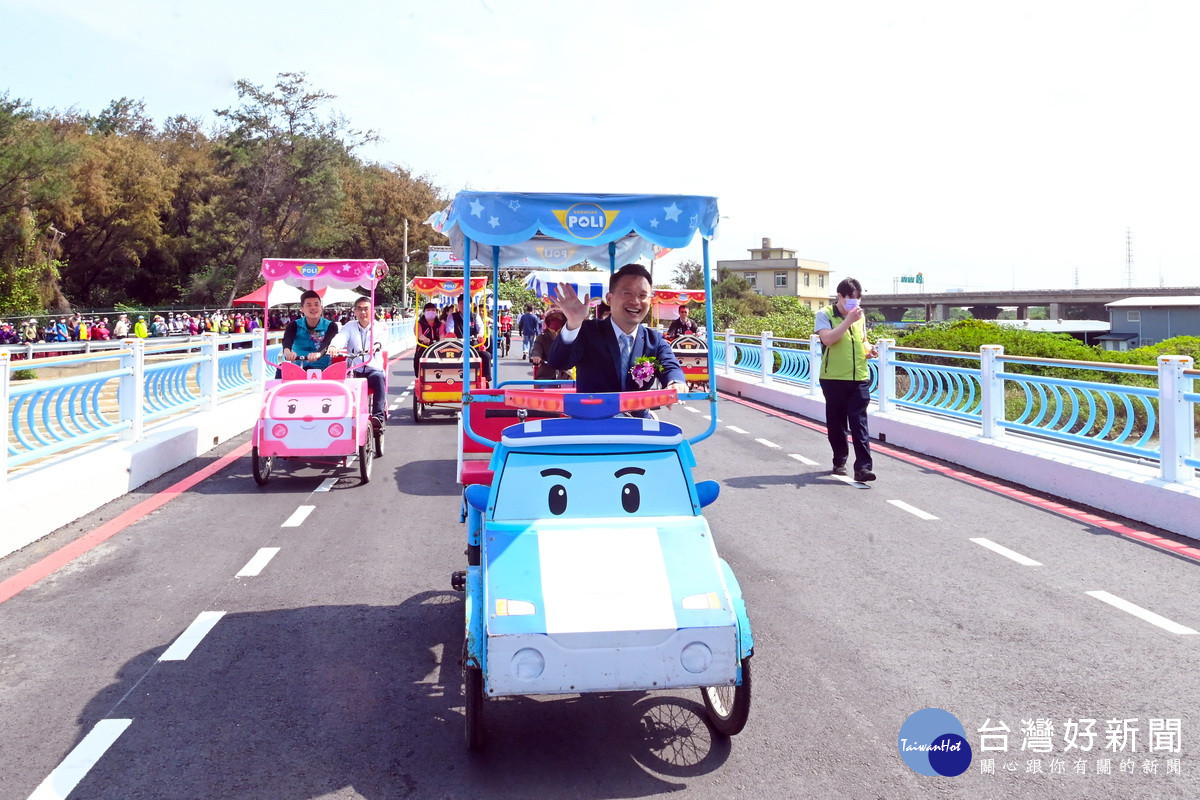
(279, 431)
(336, 430)
(514, 608)
(702, 602)
(696, 657)
(528, 664)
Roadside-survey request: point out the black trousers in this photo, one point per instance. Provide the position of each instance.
(846, 409)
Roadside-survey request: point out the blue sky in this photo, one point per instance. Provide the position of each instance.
(984, 145)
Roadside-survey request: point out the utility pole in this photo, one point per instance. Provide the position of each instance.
(1128, 257)
(404, 268)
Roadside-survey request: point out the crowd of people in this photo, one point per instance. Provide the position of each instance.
(80, 328)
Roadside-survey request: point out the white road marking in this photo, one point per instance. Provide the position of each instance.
(693, 410)
(298, 516)
(802, 459)
(767, 442)
(326, 485)
(67, 775)
(736, 429)
(851, 481)
(182, 647)
(916, 512)
(1138, 611)
(709, 416)
(1004, 551)
(255, 565)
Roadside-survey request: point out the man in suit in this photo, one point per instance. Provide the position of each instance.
(604, 351)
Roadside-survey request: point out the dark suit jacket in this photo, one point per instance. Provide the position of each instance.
(596, 356)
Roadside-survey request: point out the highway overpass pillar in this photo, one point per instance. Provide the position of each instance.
(892, 313)
(985, 312)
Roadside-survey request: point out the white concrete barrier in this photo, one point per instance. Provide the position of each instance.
(1111, 484)
(41, 499)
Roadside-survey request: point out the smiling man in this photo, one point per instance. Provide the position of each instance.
(603, 352)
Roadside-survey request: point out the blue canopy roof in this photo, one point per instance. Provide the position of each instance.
(562, 229)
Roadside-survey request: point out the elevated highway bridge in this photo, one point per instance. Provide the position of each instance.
(1059, 303)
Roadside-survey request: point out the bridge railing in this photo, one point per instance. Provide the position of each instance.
(1143, 412)
(119, 391)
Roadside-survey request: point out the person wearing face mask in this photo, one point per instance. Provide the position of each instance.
(846, 378)
(429, 329)
(553, 322)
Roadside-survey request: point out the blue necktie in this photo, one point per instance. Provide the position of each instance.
(626, 352)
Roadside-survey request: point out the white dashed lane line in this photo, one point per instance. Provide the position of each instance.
(851, 481)
(326, 485)
(802, 459)
(182, 647)
(735, 429)
(255, 565)
(298, 516)
(67, 775)
(916, 512)
(693, 410)
(1004, 551)
(768, 443)
(1141, 613)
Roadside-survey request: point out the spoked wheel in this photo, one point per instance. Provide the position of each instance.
(473, 701)
(418, 410)
(728, 707)
(262, 466)
(366, 458)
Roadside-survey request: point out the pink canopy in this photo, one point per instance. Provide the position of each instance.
(317, 273)
(281, 294)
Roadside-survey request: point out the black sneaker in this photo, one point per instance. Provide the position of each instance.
(864, 476)
(377, 422)
(839, 469)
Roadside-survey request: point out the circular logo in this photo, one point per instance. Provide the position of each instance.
(934, 742)
(310, 270)
(586, 220)
(448, 286)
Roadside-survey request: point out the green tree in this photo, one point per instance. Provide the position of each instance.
(689, 275)
(35, 160)
(283, 160)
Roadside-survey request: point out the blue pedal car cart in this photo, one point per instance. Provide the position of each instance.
(590, 565)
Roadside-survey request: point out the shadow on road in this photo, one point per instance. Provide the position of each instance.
(300, 703)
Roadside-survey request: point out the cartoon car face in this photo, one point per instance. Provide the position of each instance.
(534, 486)
(308, 415)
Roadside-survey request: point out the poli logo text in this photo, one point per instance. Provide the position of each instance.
(554, 255)
(585, 220)
(449, 286)
(310, 270)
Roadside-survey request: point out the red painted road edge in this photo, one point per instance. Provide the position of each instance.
(60, 558)
(1178, 548)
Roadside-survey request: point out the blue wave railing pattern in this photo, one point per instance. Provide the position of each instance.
(47, 417)
(139, 382)
(1117, 409)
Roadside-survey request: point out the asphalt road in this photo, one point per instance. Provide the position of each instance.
(332, 672)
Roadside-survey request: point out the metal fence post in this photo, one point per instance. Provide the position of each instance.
(1176, 429)
(887, 374)
(131, 392)
(209, 371)
(5, 418)
(992, 390)
(768, 358)
(730, 351)
(814, 365)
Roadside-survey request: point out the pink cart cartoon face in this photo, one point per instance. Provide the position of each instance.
(308, 415)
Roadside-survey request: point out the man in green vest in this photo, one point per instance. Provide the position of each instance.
(846, 378)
